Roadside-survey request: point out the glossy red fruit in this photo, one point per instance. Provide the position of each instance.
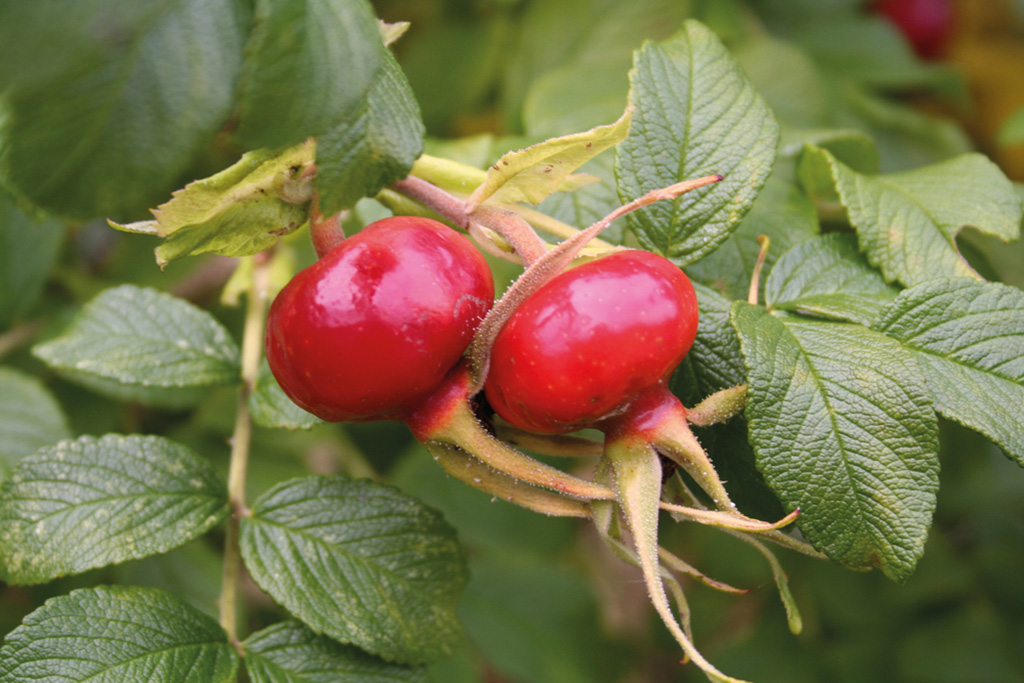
(370, 329)
(590, 341)
(926, 24)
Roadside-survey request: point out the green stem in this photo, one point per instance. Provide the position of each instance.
(21, 334)
(241, 440)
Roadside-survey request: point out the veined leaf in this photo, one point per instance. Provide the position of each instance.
(290, 653)
(138, 343)
(828, 277)
(968, 337)
(715, 359)
(128, 96)
(359, 562)
(843, 429)
(117, 634)
(532, 174)
(907, 222)
(307, 65)
(696, 115)
(30, 418)
(92, 502)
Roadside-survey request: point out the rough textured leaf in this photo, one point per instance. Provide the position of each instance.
(968, 337)
(907, 222)
(361, 563)
(138, 338)
(589, 204)
(374, 145)
(696, 115)
(307, 64)
(117, 634)
(843, 429)
(28, 251)
(30, 418)
(715, 361)
(782, 213)
(290, 653)
(135, 93)
(239, 211)
(270, 407)
(828, 277)
(531, 174)
(92, 502)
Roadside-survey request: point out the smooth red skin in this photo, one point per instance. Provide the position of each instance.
(590, 341)
(926, 24)
(369, 330)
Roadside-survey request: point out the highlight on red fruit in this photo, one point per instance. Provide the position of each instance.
(374, 326)
(590, 341)
(926, 24)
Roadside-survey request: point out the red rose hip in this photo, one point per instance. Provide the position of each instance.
(373, 327)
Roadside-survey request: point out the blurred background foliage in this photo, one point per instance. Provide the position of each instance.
(547, 604)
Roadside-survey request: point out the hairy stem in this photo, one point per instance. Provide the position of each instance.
(241, 439)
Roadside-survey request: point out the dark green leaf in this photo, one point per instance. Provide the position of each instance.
(782, 213)
(696, 115)
(907, 222)
(828, 277)
(843, 429)
(30, 418)
(374, 145)
(123, 99)
(590, 203)
(715, 359)
(117, 634)
(361, 563)
(968, 337)
(93, 502)
(290, 653)
(307, 65)
(137, 343)
(270, 407)
(27, 253)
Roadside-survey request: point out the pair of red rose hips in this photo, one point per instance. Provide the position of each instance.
(371, 330)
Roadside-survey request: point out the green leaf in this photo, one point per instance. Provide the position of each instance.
(290, 653)
(591, 203)
(532, 174)
(907, 222)
(270, 407)
(30, 418)
(782, 213)
(361, 563)
(715, 359)
(853, 147)
(117, 634)
(788, 80)
(27, 253)
(1012, 131)
(696, 115)
(843, 429)
(119, 103)
(239, 211)
(307, 65)
(827, 277)
(92, 502)
(374, 145)
(138, 343)
(968, 337)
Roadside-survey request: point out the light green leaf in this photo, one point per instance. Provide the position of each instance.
(968, 337)
(907, 222)
(30, 418)
(1012, 131)
(853, 147)
(828, 277)
(270, 407)
(374, 145)
(117, 634)
(307, 65)
(696, 115)
(290, 653)
(92, 502)
(787, 78)
(239, 211)
(137, 343)
(361, 563)
(589, 204)
(125, 97)
(28, 251)
(531, 174)
(844, 430)
(782, 213)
